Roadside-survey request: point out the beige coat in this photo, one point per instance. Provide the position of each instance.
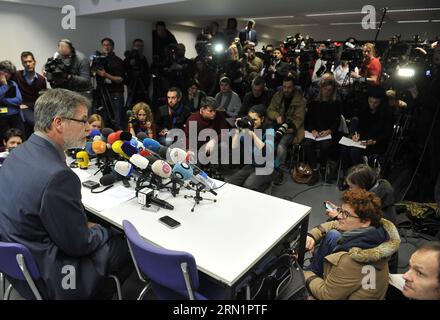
(344, 271)
(296, 112)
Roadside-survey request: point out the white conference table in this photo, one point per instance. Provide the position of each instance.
(227, 238)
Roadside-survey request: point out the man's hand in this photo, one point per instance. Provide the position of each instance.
(101, 73)
(210, 146)
(324, 133)
(354, 75)
(315, 133)
(163, 132)
(310, 243)
(280, 120)
(23, 106)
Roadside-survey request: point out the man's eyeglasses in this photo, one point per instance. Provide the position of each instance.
(84, 122)
(344, 214)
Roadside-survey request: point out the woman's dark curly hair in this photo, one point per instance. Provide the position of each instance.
(365, 204)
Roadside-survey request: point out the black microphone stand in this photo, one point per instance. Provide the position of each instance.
(198, 198)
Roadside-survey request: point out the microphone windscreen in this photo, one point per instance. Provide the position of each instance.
(145, 153)
(151, 144)
(125, 136)
(135, 142)
(183, 171)
(106, 132)
(107, 179)
(142, 136)
(94, 133)
(177, 155)
(123, 168)
(128, 149)
(161, 168)
(98, 138)
(89, 148)
(117, 148)
(163, 152)
(82, 158)
(115, 136)
(99, 147)
(140, 162)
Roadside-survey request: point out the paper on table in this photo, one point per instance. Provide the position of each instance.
(109, 198)
(396, 280)
(309, 135)
(350, 143)
(82, 174)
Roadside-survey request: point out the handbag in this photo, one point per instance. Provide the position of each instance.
(301, 172)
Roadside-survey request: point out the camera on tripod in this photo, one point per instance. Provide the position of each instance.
(246, 123)
(98, 62)
(57, 69)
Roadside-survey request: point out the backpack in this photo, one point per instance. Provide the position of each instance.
(283, 279)
(422, 218)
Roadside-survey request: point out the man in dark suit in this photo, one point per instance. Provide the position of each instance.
(248, 34)
(41, 207)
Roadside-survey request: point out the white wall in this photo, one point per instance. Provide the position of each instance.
(38, 29)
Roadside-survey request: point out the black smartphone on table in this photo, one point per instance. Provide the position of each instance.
(169, 222)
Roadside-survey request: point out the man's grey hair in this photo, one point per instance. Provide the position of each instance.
(208, 102)
(8, 67)
(56, 103)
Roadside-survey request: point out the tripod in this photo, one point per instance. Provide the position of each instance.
(103, 102)
(198, 198)
(133, 90)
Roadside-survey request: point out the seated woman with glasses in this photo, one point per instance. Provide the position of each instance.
(352, 259)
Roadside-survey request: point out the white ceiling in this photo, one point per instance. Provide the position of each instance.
(197, 13)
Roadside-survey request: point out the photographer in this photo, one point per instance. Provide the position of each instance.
(287, 109)
(276, 71)
(137, 74)
(10, 99)
(142, 121)
(246, 177)
(162, 37)
(252, 64)
(258, 95)
(371, 67)
(110, 73)
(69, 69)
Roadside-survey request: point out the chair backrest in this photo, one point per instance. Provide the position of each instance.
(162, 266)
(9, 264)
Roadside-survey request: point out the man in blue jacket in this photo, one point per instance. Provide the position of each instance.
(41, 207)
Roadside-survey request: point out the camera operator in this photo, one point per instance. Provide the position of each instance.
(179, 69)
(287, 109)
(10, 99)
(110, 73)
(162, 38)
(248, 34)
(252, 64)
(371, 66)
(321, 64)
(277, 70)
(246, 177)
(233, 68)
(75, 75)
(137, 74)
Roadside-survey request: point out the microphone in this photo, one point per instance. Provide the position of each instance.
(82, 158)
(203, 178)
(117, 148)
(99, 147)
(98, 138)
(183, 171)
(142, 136)
(123, 168)
(178, 155)
(94, 133)
(130, 114)
(139, 161)
(152, 144)
(106, 132)
(128, 149)
(125, 136)
(149, 198)
(107, 179)
(162, 169)
(89, 149)
(115, 136)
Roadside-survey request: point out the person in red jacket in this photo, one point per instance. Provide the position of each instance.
(371, 67)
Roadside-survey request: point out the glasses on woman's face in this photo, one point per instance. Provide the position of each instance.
(344, 214)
